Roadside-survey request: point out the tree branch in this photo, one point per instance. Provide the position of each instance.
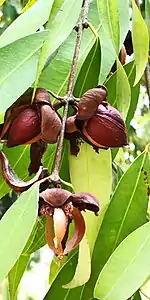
(147, 80)
(69, 97)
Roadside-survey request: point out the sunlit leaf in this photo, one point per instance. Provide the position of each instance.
(84, 259)
(120, 280)
(108, 11)
(55, 76)
(91, 172)
(147, 14)
(27, 23)
(88, 75)
(15, 228)
(18, 72)
(140, 44)
(59, 29)
(126, 212)
(107, 50)
(28, 5)
(124, 19)
(1, 2)
(123, 92)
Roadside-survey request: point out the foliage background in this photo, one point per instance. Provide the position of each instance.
(138, 128)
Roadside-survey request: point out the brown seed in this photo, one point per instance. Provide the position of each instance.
(89, 102)
(106, 128)
(24, 128)
(50, 124)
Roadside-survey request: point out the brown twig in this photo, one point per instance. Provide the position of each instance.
(69, 97)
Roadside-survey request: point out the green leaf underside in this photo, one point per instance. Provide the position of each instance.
(13, 232)
(140, 45)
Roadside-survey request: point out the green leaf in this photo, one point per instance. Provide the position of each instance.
(111, 85)
(19, 160)
(84, 259)
(59, 29)
(140, 45)
(27, 23)
(135, 90)
(89, 72)
(15, 228)
(121, 277)
(137, 296)
(126, 212)
(55, 76)
(91, 172)
(124, 19)
(35, 242)
(107, 50)
(109, 16)
(147, 14)
(56, 290)
(123, 92)
(16, 273)
(37, 237)
(17, 72)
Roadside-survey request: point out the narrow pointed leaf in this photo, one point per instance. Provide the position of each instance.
(15, 228)
(35, 241)
(56, 290)
(59, 29)
(1, 2)
(28, 5)
(107, 50)
(123, 92)
(95, 171)
(120, 280)
(114, 99)
(27, 23)
(126, 212)
(124, 19)
(84, 257)
(147, 14)
(108, 11)
(16, 274)
(88, 75)
(140, 45)
(18, 72)
(61, 64)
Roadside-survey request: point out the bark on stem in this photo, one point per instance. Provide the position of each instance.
(69, 97)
